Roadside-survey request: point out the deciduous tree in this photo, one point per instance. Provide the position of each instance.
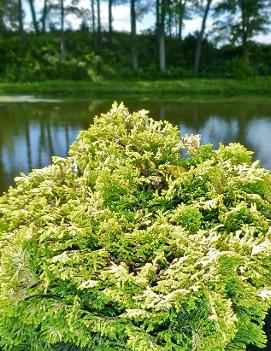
(134, 53)
(241, 20)
(160, 27)
(206, 6)
(33, 15)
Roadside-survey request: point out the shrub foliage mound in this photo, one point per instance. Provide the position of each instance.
(128, 245)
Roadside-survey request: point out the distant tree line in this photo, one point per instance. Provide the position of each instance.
(234, 23)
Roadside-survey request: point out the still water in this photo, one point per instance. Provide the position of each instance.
(33, 129)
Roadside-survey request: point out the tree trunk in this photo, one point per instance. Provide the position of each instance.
(181, 18)
(21, 23)
(170, 23)
(98, 22)
(161, 38)
(62, 30)
(93, 16)
(244, 31)
(44, 15)
(33, 14)
(157, 6)
(133, 36)
(180, 22)
(110, 21)
(2, 11)
(200, 38)
(176, 19)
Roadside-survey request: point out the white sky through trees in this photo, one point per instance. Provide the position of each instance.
(121, 19)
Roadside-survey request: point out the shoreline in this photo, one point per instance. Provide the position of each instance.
(253, 86)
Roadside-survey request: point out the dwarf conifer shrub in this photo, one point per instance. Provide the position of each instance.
(125, 245)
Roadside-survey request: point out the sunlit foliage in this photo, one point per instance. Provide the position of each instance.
(138, 241)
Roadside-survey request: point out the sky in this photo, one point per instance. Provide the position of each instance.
(121, 17)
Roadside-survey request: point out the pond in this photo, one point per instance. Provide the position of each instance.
(33, 129)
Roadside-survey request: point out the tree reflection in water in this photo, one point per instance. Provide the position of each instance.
(32, 132)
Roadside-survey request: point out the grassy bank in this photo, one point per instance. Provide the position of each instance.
(148, 88)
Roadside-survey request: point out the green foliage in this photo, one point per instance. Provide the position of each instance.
(239, 68)
(127, 246)
(189, 217)
(39, 59)
(247, 18)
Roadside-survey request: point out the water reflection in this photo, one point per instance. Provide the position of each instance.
(259, 138)
(31, 133)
